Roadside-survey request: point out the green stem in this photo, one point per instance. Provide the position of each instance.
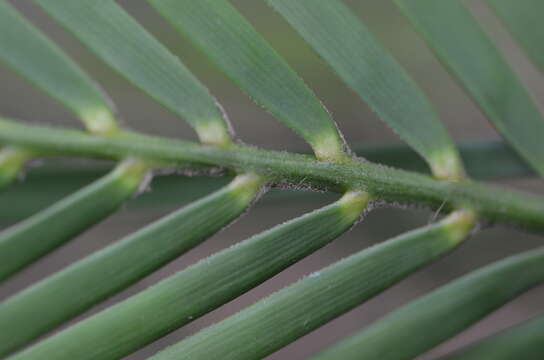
(46, 184)
(386, 184)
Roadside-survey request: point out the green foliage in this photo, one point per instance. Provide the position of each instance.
(524, 341)
(230, 41)
(60, 297)
(469, 299)
(523, 18)
(39, 234)
(118, 40)
(57, 74)
(182, 297)
(353, 52)
(298, 309)
(459, 42)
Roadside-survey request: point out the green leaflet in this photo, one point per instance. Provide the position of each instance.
(221, 32)
(444, 312)
(27, 241)
(40, 61)
(177, 300)
(290, 313)
(462, 46)
(71, 291)
(525, 341)
(128, 48)
(11, 162)
(524, 18)
(360, 60)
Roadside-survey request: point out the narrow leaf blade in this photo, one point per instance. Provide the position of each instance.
(524, 341)
(454, 306)
(183, 297)
(455, 36)
(300, 308)
(228, 39)
(362, 63)
(26, 50)
(25, 242)
(62, 296)
(524, 18)
(123, 44)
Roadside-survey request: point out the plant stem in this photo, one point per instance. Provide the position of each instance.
(384, 184)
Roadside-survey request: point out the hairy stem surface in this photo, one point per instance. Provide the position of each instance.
(383, 183)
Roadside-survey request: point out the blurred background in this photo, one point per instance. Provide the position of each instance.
(41, 184)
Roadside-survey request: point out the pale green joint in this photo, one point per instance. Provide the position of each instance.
(214, 133)
(459, 224)
(12, 159)
(447, 166)
(353, 203)
(329, 147)
(99, 121)
(245, 186)
(131, 172)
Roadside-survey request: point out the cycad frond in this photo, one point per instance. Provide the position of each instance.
(227, 38)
